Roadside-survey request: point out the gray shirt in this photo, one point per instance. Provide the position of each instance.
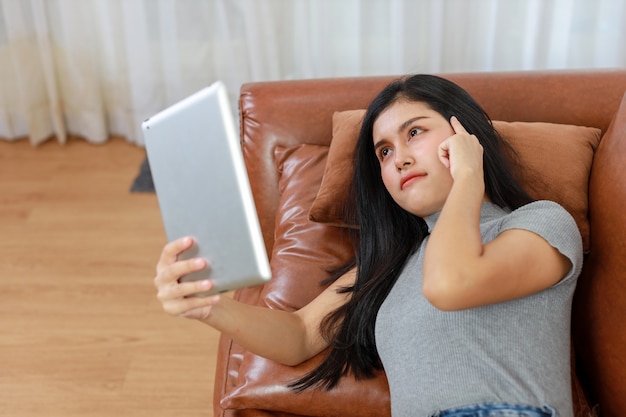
(516, 351)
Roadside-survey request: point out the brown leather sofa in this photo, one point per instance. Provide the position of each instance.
(277, 117)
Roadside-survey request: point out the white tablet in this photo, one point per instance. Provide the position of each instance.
(203, 189)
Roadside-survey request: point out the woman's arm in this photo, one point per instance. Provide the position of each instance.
(288, 338)
(459, 271)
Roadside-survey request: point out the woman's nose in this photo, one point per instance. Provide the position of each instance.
(403, 159)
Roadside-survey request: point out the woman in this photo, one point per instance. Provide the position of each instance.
(462, 287)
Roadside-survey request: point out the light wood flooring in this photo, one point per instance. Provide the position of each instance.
(81, 332)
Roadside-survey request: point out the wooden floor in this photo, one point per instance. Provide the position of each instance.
(81, 332)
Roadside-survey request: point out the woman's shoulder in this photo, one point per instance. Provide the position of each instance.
(538, 211)
(540, 215)
(544, 206)
(543, 212)
(551, 221)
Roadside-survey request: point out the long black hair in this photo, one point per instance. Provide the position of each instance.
(387, 234)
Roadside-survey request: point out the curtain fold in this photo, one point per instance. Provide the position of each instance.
(96, 68)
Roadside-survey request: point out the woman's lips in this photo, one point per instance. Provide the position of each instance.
(409, 179)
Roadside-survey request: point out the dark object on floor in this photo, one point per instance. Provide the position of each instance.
(143, 182)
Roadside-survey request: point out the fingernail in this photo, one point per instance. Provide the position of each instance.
(199, 262)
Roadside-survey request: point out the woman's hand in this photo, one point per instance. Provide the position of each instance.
(177, 297)
(461, 153)
(283, 336)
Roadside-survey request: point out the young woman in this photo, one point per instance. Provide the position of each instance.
(462, 285)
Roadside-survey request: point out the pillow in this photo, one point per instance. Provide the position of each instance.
(330, 203)
(303, 253)
(561, 176)
(555, 164)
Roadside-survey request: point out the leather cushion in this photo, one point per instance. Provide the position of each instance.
(304, 252)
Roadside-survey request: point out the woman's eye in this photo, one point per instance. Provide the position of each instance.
(384, 152)
(415, 131)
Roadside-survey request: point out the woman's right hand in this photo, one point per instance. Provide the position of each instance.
(175, 296)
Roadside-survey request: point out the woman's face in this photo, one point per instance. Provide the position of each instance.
(406, 140)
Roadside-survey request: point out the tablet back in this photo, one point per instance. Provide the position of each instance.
(203, 189)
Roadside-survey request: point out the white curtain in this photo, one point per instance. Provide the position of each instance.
(96, 68)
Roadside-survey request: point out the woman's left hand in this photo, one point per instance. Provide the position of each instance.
(461, 153)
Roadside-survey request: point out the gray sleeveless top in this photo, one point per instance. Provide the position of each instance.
(517, 351)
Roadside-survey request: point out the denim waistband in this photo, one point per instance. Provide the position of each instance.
(498, 410)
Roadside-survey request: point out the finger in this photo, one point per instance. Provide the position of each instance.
(170, 252)
(182, 290)
(457, 126)
(443, 152)
(172, 273)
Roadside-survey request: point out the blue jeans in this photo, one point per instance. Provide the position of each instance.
(498, 410)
